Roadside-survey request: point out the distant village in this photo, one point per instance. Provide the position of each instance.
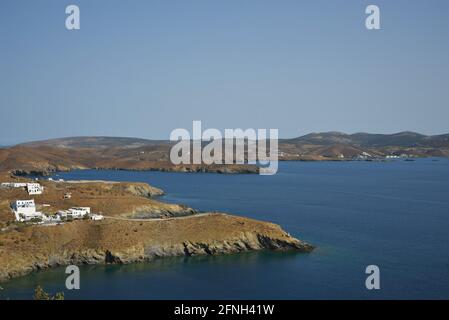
(25, 210)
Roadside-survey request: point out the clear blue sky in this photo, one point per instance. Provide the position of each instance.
(143, 68)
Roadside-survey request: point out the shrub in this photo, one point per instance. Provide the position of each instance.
(59, 296)
(40, 294)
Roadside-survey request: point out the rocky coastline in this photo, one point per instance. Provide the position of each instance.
(137, 227)
(121, 242)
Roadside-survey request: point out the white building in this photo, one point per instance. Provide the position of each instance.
(79, 212)
(19, 184)
(50, 219)
(74, 213)
(23, 205)
(34, 188)
(13, 184)
(96, 217)
(25, 210)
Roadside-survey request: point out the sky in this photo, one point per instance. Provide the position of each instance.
(143, 68)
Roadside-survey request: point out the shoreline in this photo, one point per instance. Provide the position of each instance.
(122, 239)
(48, 172)
(125, 242)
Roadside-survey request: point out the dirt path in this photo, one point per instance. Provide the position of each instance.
(160, 219)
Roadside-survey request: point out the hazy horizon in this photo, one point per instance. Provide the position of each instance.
(153, 139)
(144, 69)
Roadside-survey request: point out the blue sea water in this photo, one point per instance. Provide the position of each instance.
(391, 214)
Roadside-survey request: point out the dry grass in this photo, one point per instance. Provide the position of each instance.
(111, 199)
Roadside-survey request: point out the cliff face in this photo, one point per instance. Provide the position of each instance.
(126, 241)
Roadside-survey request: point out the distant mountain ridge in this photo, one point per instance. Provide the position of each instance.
(95, 142)
(361, 139)
(143, 154)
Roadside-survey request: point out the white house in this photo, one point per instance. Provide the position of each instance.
(24, 205)
(25, 210)
(50, 219)
(34, 188)
(79, 212)
(74, 213)
(19, 184)
(13, 184)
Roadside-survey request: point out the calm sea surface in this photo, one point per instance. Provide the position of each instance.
(391, 214)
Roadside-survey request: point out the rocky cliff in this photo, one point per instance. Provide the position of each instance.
(28, 249)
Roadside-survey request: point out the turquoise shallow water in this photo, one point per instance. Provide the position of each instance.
(391, 214)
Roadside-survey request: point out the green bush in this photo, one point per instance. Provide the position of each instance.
(40, 294)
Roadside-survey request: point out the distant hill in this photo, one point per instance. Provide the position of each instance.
(95, 142)
(322, 138)
(42, 157)
(142, 154)
(401, 139)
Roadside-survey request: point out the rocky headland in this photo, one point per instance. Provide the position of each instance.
(137, 228)
(32, 248)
